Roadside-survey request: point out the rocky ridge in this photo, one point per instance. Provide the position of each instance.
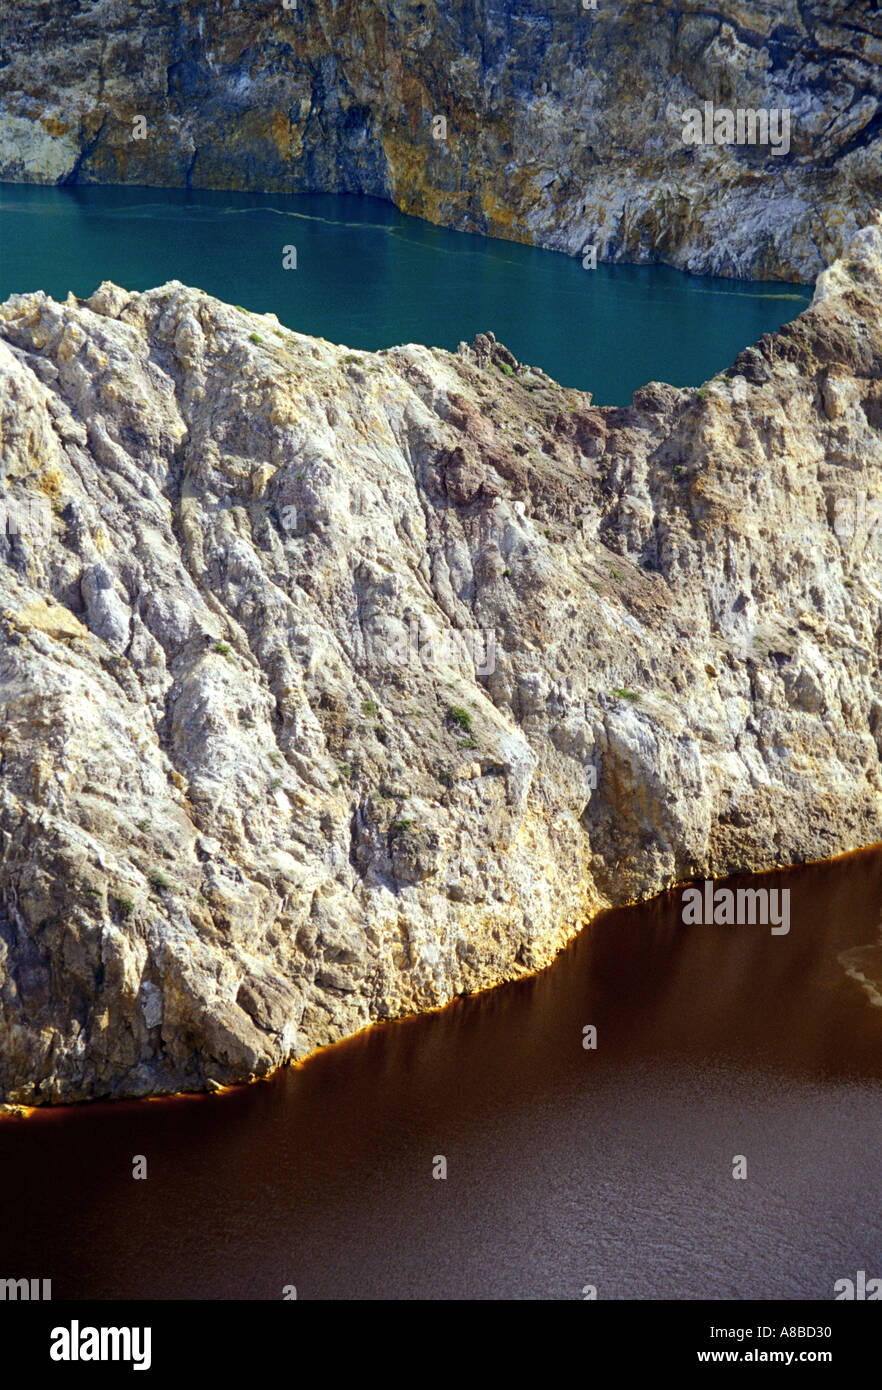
(335, 684)
(550, 123)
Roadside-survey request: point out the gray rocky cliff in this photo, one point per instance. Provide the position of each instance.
(335, 684)
(539, 121)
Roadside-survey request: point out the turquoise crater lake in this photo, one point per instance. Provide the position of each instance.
(369, 277)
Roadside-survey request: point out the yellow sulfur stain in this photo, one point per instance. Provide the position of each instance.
(56, 621)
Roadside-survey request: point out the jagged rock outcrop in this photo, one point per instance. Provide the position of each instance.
(260, 783)
(563, 123)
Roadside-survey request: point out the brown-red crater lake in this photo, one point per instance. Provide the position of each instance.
(718, 1047)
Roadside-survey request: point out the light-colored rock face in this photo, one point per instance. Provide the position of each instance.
(262, 783)
(564, 124)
